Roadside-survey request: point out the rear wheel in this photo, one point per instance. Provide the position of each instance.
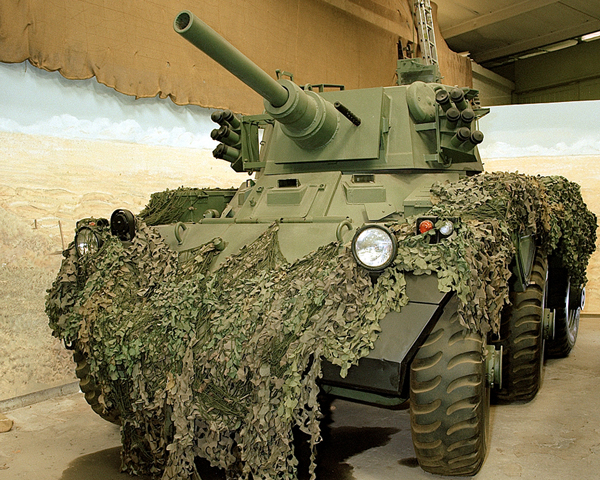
(522, 339)
(566, 325)
(450, 399)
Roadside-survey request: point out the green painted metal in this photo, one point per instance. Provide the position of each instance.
(524, 256)
(378, 129)
(363, 397)
(305, 117)
(330, 160)
(412, 69)
(197, 203)
(210, 42)
(493, 364)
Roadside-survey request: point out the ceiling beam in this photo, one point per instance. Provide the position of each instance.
(495, 17)
(537, 42)
(396, 21)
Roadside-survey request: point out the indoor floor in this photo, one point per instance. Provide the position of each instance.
(556, 436)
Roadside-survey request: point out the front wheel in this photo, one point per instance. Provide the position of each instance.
(91, 391)
(450, 399)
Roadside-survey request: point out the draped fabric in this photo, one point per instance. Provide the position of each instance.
(131, 46)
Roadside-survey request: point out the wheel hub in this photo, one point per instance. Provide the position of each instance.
(548, 324)
(494, 365)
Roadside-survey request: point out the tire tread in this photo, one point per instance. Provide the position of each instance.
(521, 335)
(450, 399)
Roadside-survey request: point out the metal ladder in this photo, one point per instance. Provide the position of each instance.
(424, 23)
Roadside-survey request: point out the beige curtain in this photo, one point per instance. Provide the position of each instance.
(131, 46)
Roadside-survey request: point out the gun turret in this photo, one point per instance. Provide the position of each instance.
(305, 117)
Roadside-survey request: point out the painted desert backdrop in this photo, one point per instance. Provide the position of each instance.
(47, 183)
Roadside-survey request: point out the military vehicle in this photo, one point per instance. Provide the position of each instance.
(349, 167)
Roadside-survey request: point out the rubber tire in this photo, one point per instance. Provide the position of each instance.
(522, 339)
(91, 391)
(450, 399)
(565, 332)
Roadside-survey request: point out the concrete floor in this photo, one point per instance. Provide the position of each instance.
(557, 436)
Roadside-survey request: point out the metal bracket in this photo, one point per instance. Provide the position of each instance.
(281, 73)
(250, 126)
(322, 86)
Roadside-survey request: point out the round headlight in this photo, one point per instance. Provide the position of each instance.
(447, 228)
(374, 247)
(87, 242)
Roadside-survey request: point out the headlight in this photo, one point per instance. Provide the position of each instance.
(374, 247)
(446, 228)
(122, 225)
(87, 242)
(441, 229)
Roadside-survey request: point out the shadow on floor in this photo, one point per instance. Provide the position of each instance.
(103, 465)
(338, 445)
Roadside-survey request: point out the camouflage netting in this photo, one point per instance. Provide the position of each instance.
(165, 207)
(551, 208)
(172, 206)
(223, 365)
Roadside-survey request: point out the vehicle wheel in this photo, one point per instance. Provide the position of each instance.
(522, 339)
(450, 399)
(566, 326)
(90, 390)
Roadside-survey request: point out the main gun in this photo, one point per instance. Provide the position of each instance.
(305, 117)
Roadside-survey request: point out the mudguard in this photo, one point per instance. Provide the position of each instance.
(382, 376)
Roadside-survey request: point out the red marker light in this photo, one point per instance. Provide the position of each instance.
(425, 226)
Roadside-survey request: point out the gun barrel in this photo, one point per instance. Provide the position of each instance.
(305, 117)
(220, 50)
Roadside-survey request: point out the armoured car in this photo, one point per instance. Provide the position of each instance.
(461, 300)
